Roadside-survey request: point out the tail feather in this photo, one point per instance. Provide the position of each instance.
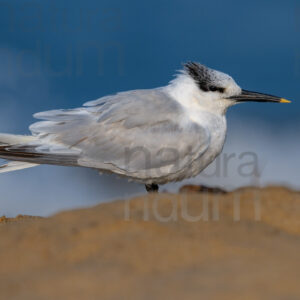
(15, 165)
(13, 139)
(31, 154)
(29, 151)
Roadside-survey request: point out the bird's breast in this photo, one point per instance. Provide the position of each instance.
(216, 127)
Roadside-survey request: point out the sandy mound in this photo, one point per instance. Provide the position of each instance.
(241, 245)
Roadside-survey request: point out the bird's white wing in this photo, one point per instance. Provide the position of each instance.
(142, 133)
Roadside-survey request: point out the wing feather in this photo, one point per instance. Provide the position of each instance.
(142, 134)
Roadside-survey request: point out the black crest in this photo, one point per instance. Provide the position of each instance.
(203, 76)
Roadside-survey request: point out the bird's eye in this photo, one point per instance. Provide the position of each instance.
(215, 88)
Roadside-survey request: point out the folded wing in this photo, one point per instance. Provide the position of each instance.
(138, 133)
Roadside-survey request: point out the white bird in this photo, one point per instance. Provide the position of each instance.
(152, 136)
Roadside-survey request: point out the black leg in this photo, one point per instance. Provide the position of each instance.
(151, 188)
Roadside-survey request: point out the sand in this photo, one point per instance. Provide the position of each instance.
(239, 245)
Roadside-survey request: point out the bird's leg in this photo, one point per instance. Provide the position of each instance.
(151, 188)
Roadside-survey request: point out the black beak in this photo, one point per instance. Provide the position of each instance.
(258, 97)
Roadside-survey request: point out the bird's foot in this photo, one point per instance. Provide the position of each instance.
(152, 188)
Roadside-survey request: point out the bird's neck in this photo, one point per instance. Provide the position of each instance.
(184, 90)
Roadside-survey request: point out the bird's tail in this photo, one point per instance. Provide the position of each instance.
(7, 140)
(15, 165)
(28, 151)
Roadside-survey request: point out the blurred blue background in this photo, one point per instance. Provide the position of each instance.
(59, 54)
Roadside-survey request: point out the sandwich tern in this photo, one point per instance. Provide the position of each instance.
(152, 136)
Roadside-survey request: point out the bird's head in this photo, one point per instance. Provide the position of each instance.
(217, 89)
